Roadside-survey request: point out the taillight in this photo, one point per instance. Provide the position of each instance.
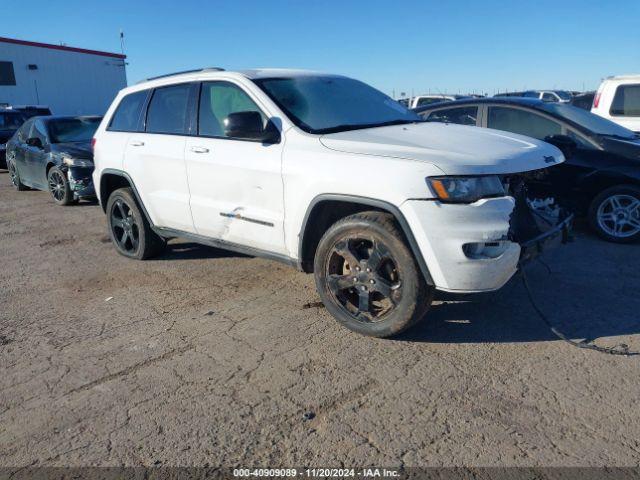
(93, 143)
(596, 100)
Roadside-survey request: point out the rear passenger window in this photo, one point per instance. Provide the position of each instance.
(520, 121)
(459, 115)
(167, 111)
(128, 112)
(626, 102)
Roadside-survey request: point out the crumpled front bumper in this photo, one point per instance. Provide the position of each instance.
(81, 181)
(472, 247)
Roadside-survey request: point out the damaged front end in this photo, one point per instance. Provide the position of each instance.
(538, 221)
(81, 181)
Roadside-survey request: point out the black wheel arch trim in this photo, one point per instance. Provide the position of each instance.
(125, 175)
(368, 202)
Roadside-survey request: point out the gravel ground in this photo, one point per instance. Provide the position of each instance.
(207, 357)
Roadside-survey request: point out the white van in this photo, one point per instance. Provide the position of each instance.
(618, 100)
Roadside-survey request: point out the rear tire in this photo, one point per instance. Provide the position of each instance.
(367, 277)
(129, 228)
(614, 214)
(15, 176)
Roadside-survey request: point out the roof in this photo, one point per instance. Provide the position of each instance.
(624, 77)
(61, 47)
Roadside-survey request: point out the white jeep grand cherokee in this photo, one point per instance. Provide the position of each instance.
(325, 173)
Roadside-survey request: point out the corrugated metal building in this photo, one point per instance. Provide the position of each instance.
(70, 81)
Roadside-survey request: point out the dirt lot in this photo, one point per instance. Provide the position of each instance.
(206, 357)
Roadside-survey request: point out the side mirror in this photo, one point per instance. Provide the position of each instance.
(35, 142)
(566, 144)
(249, 126)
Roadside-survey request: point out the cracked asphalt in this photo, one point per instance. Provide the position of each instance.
(203, 357)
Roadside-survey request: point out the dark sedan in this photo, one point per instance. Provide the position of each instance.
(54, 154)
(601, 175)
(10, 121)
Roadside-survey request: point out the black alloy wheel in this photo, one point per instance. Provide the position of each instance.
(59, 187)
(367, 276)
(129, 229)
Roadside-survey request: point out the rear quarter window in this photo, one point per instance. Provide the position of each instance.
(127, 116)
(626, 102)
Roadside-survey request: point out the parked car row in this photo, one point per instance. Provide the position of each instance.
(329, 175)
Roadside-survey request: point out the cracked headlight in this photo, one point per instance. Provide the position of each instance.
(466, 189)
(77, 162)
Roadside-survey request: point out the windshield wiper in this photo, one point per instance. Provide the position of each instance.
(361, 126)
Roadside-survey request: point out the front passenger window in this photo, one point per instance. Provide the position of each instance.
(217, 101)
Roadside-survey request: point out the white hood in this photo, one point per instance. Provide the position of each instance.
(454, 149)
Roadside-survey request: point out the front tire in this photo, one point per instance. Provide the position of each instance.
(15, 176)
(129, 229)
(59, 187)
(614, 214)
(367, 277)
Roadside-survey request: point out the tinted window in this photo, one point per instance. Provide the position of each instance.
(10, 120)
(217, 101)
(7, 76)
(128, 112)
(23, 131)
(39, 131)
(65, 130)
(167, 111)
(429, 101)
(522, 122)
(549, 97)
(626, 102)
(460, 115)
(325, 104)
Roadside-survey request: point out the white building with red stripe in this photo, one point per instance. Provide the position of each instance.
(69, 80)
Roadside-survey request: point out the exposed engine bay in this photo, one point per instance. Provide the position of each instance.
(538, 219)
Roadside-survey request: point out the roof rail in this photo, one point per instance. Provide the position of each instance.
(207, 69)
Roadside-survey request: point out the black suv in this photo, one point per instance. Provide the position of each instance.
(10, 121)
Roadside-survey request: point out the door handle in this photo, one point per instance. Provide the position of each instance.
(136, 143)
(199, 150)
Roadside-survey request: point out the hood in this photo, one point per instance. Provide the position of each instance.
(74, 150)
(454, 149)
(628, 148)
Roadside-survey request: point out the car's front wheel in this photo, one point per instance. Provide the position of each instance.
(15, 176)
(59, 187)
(367, 277)
(615, 214)
(129, 229)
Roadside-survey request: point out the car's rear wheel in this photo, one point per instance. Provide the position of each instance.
(367, 277)
(615, 214)
(15, 176)
(129, 229)
(59, 187)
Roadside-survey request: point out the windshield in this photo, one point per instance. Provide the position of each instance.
(73, 129)
(588, 120)
(10, 120)
(326, 104)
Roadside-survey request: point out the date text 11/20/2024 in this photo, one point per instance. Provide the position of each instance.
(316, 472)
